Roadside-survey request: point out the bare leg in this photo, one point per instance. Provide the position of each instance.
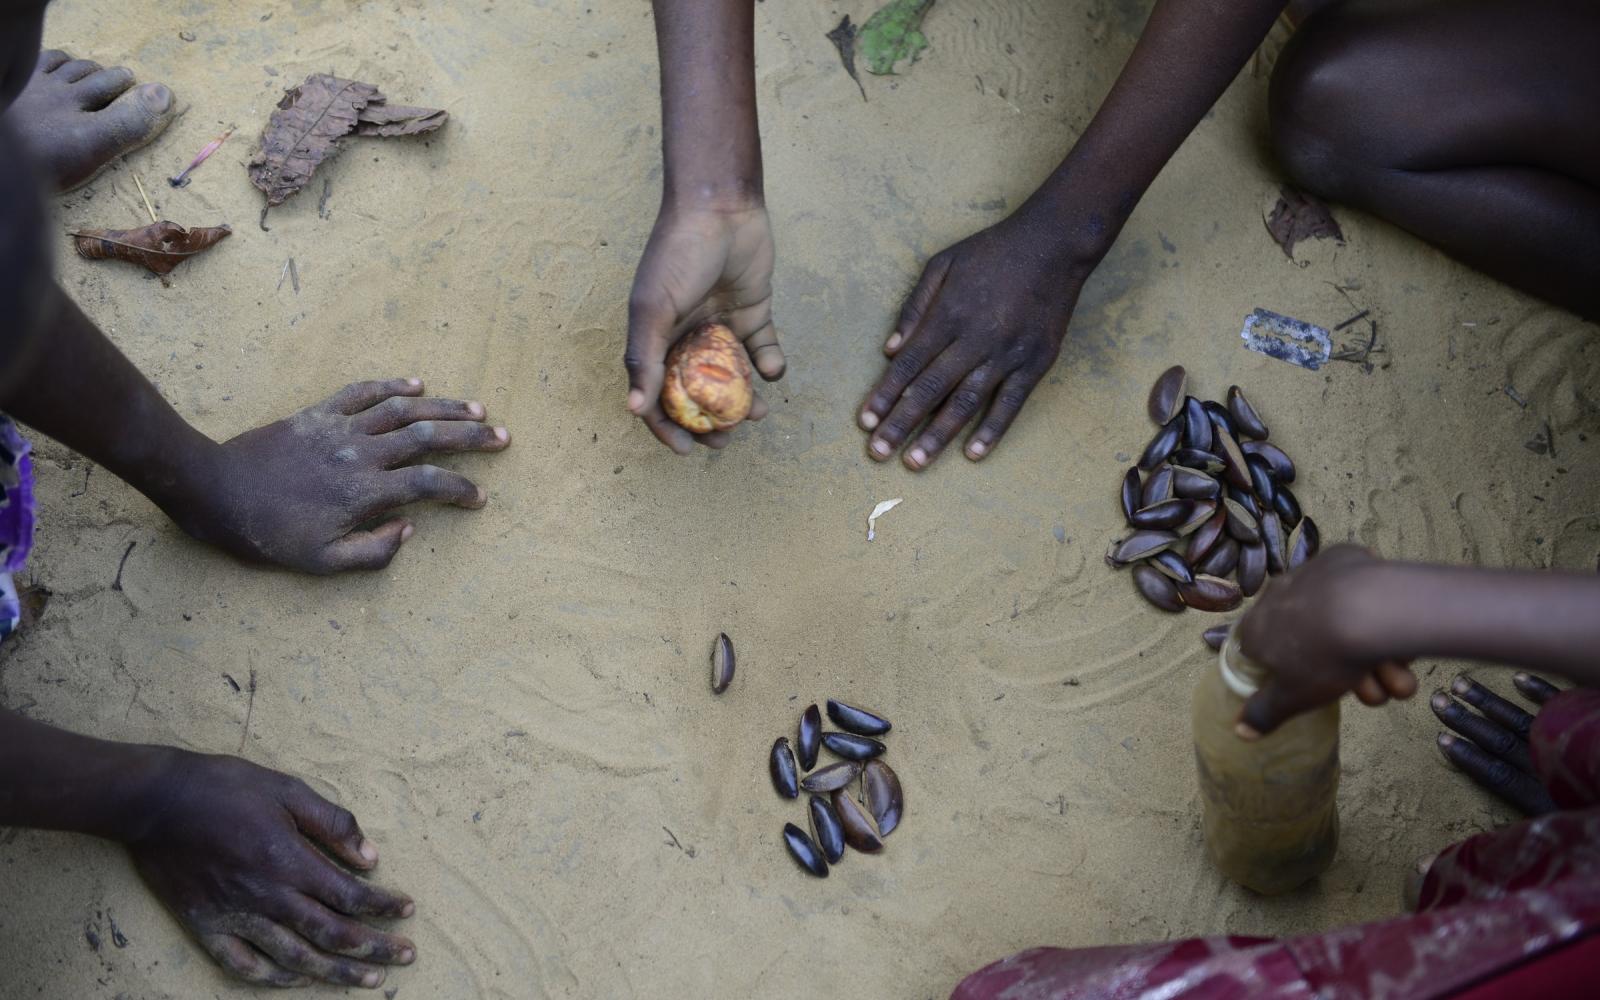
(1473, 123)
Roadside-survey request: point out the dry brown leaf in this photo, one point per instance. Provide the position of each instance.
(304, 131)
(158, 247)
(381, 119)
(1298, 216)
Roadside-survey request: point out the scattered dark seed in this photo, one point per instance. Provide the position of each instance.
(1272, 537)
(1172, 564)
(834, 776)
(1192, 484)
(1196, 425)
(1132, 495)
(1211, 593)
(826, 829)
(1221, 560)
(721, 663)
(810, 737)
(1205, 537)
(857, 720)
(1287, 506)
(1252, 567)
(1162, 445)
(1155, 587)
(1166, 514)
(804, 851)
(1157, 488)
(1233, 466)
(1167, 394)
(1203, 512)
(1261, 480)
(1221, 419)
(1240, 524)
(884, 799)
(781, 763)
(1208, 462)
(1137, 546)
(860, 832)
(1304, 542)
(852, 747)
(1245, 499)
(1244, 415)
(1280, 463)
(1216, 635)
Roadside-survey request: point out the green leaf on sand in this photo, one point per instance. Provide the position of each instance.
(893, 34)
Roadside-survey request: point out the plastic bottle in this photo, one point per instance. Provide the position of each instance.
(1271, 819)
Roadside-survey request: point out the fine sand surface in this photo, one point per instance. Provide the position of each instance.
(518, 710)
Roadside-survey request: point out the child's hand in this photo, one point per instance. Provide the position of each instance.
(1491, 748)
(700, 264)
(1308, 630)
(245, 859)
(297, 491)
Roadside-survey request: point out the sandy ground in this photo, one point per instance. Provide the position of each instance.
(518, 710)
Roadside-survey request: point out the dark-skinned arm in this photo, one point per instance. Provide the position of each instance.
(987, 319)
(710, 253)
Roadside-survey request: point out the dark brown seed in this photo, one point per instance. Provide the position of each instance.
(1221, 419)
(1282, 466)
(1304, 542)
(1221, 560)
(1203, 512)
(1155, 587)
(1272, 537)
(1245, 499)
(1192, 484)
(1261, 479)
(781, 763)
(1240, 524)
(1211, 593)
(1166, 514)
(860, 832)
(1137, 546)
(810, 737)
(1167, 394)
(1233, 466)
(1172, 564)
(1157, 488)
(1131, 493)
(804, 851)
(1196, 425)
(1205, 537)
(857, 720)
(1287, 506)
(1244, 415)
(826, 779)
(884, 799)
(721, 663)
(1252, 567)
(1162, 445)
(1208, 462)
(1216, 635)
(826, 829)
(852, 747)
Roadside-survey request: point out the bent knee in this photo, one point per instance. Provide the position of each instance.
(1321, 93)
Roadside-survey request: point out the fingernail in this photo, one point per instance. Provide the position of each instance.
(407, 956)
(1246, 732)
(1461, 685)
(918, 456)
(414, 382)
(408, 909)
(881, 448)
(407, 531)
(869, 420)
(368, 851)
(1440, 701)
(977, 449)
(475, 409)
(483, 497)
(893, 343)
(371, 980)
(1446, 741)
(636, 400)
(502, 435)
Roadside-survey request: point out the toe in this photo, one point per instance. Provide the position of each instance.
(51, 60)
(101, 87)
(99, 137)
(76, 69)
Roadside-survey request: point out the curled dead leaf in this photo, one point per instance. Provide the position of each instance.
(158, 247)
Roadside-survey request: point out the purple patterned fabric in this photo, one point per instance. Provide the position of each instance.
(16, 518)
(1491, 908)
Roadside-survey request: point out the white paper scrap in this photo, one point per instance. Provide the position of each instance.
(884, 507)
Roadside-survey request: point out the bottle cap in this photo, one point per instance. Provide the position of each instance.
(1241, 674)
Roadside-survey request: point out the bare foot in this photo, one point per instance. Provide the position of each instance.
(75, 117)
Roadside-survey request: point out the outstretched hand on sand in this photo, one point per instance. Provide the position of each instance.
(301, 492)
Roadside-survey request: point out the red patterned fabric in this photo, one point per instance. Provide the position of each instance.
(1505, 913)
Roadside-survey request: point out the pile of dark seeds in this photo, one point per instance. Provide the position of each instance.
(838, 819)
(1211, 513)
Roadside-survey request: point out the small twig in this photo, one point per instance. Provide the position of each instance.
(294, 276)
(147, 208)
(322, 203)
(210, 147)
(249, 711)
(1360, 315)
(283, 275)
(117, 583)
(1516, 397)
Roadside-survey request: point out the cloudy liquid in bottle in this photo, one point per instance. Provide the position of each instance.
(1271, 820)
